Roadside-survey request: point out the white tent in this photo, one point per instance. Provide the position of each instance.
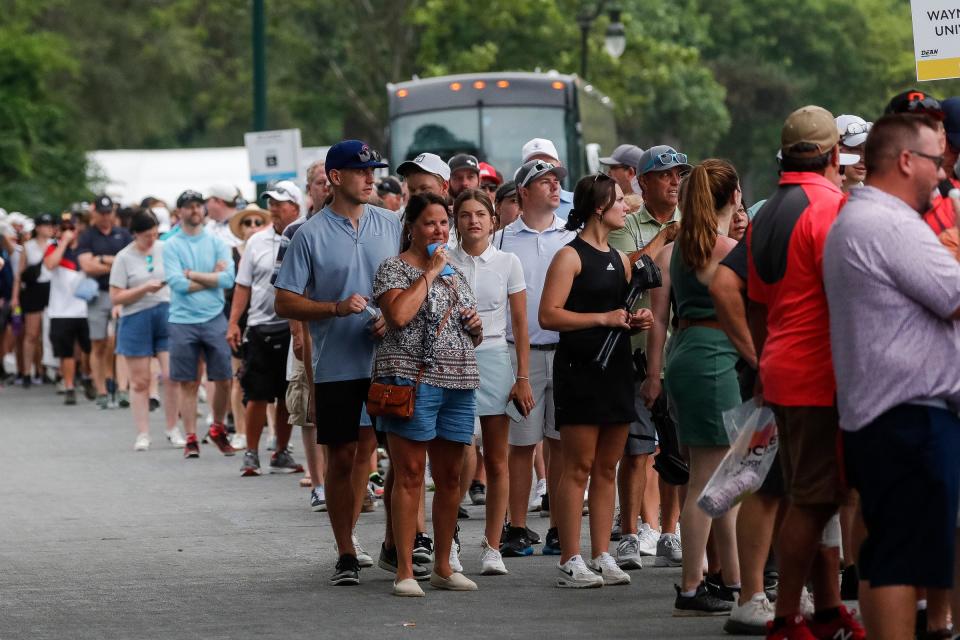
(133, 174)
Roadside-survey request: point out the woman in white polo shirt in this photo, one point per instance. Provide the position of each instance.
(496, 278)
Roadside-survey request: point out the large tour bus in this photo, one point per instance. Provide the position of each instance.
(491, 115)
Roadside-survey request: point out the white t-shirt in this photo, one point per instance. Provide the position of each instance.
(493, 276)
(255, 271)
(63, 282)
(222, 230)
(35, 251)
(535, 250)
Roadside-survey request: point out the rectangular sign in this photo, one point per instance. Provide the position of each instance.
(273, 155)
(936, 38)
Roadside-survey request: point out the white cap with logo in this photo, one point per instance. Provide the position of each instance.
(285, 191)
(428, 162)
(539, 147)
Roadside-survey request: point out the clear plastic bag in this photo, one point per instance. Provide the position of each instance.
(748, 461)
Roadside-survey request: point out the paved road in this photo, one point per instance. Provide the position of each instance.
(97, 541)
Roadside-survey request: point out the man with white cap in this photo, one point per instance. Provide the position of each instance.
(535, 237)
(853, 135)
(267, 337)
(426, 173)
(543, 149)
(221, 205)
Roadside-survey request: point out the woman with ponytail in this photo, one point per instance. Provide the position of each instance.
(583, 299)
(700, 376)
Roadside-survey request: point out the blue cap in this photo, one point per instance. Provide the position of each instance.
(353, 154)
(951, 120)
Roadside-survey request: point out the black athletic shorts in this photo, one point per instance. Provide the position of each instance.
(905, 466)
(65, 333)
(263, 376)
(339, 407)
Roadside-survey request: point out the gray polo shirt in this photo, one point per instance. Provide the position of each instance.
(891, 289)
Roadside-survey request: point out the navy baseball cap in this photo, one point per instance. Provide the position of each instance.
(353, 154)
(951, 120)
(103, 204)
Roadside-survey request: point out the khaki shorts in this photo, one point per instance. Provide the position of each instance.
(298, 396)
(808, 454)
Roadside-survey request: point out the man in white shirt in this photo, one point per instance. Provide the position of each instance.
(221, 205)
(267, 339)
(535, 237)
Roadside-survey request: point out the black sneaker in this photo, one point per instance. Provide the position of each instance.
(347, 573)
(422, 548)
(616, 531)
(462, 513)
(26, 385)
(478, 492)
(850, 583)
(89, 390)
(702, 603)
(70, 397)
(516, 544)
(154, 404)
(771, 584)
(545, 506)
(532, 536)
(716, 586)
(552, 546)
(388, 562)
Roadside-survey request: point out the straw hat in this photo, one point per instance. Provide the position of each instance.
(252, 210)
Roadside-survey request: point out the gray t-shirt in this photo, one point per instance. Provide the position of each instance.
(131, 269)
(891, 288)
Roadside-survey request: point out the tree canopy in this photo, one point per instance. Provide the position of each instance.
(711, 78)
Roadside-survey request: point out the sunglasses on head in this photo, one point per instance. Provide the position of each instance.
(366, 154)
(253, 222)
(922, 103)
(664, 159)
(536, 171)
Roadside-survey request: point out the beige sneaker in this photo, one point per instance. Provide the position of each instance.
(456, 582)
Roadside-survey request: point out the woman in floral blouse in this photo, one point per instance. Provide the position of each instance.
(432, 327)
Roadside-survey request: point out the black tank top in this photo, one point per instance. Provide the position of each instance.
(600, 286)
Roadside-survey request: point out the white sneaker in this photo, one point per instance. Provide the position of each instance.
(648, 539)
(750, 618)
(575, 575)
(238, 441)
(491, 562)
(142, 443)
(606, 566)
(536, 503)
(628, 552)
(175, 437)
(455, 559)
(669, 551)
(363, 558)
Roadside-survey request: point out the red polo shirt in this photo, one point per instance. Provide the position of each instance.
(785, 262)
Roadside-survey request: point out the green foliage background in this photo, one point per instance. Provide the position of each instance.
(712, 78)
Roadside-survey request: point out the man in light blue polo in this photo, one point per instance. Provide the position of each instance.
(326, 278)
(198, 267)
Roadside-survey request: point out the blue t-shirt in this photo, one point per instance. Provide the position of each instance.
(566, 203)
(328, 261)
(103, 244)
(197, 253)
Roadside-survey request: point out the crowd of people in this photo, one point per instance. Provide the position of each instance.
(472, 334)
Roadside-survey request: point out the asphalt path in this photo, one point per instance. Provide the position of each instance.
(99, 541)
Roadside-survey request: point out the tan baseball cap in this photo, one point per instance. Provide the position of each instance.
(813, 125)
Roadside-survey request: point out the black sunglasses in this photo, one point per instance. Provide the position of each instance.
(937, 160)
(253, 222)
(366, 154)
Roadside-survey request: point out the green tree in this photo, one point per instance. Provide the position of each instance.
(42, 166)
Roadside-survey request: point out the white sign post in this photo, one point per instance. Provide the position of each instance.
(936, 38)
(273, 155)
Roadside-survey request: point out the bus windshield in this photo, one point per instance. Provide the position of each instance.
(495, 133)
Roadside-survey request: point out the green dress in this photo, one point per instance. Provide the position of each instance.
(700, 375)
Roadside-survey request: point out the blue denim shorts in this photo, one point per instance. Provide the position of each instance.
(144, 333)
(439, 413)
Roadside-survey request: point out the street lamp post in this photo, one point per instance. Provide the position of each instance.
(258, 31)
(615, 39)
